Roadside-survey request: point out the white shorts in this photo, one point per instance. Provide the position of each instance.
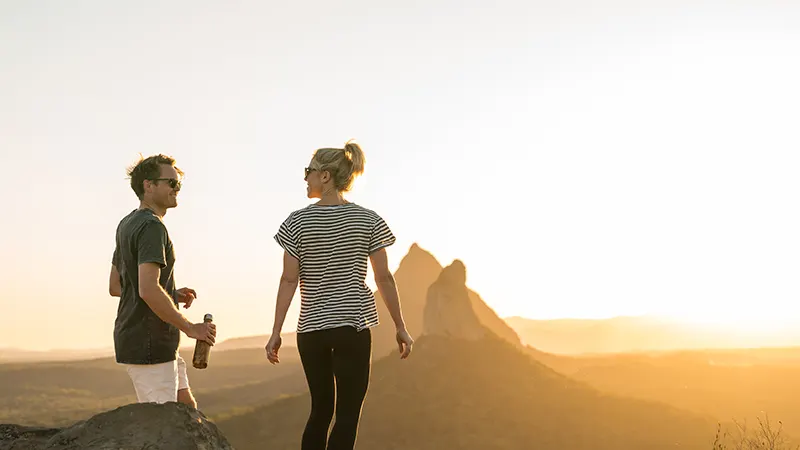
(158, 383)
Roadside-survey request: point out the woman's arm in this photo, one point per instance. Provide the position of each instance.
(286, 290)
(388, 289)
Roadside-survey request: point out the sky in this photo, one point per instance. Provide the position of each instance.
(584, 159)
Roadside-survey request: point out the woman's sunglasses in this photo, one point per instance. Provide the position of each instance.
(307, 171)
(173, 182)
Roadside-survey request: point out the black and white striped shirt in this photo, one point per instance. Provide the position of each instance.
(333, 243)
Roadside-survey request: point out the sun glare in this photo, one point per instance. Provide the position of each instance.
(738, 323)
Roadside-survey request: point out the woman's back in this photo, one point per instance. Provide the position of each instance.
(333, 243)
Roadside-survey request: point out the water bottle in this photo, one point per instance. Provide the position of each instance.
(202, 349)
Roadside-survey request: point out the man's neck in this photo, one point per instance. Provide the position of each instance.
(160, 212)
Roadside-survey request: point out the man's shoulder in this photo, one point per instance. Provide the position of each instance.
(138, 220)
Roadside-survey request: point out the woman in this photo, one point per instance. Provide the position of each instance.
(326, 247)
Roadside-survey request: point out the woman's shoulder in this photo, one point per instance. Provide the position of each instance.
(367, 213)
(313, 210)
(293, 217)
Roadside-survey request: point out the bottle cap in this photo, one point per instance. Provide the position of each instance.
(208, 318)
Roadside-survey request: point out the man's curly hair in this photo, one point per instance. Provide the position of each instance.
(148, 169)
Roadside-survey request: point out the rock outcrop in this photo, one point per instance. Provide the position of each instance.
(172, 426)
(448, 310)
(416, 272)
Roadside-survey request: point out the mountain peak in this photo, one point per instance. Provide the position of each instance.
(417, 271)
(448, 310)
(455, 274)
(419, 259)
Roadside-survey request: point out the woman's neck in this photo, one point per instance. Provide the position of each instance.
(332, 197)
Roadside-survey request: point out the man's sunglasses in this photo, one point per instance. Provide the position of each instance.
(307, 171)
(173, 182)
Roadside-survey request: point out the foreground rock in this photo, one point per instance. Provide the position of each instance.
(137, 426)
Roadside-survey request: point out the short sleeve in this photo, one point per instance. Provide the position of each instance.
(115, 257)
(381, 236)
(152, 244)
(117, 254)
(287, 237)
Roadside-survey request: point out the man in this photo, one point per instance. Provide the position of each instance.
(148, 325)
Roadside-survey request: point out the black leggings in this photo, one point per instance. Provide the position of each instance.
(343, 354)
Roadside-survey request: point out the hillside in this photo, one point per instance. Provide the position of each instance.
(60, 393)
(462, 391)
(253, 342)
(742, 384)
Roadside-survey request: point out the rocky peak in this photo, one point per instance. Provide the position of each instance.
(448, 310)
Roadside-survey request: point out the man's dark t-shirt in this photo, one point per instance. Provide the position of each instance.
(140, 336)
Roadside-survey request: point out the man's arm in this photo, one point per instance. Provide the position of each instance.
(114, 284)
(162, 305)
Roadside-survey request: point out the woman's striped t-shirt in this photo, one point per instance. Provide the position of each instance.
(333, 243)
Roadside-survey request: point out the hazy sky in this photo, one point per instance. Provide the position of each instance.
(583, 158)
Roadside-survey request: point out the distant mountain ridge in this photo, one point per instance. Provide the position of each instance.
(626, 334)
(22, 355)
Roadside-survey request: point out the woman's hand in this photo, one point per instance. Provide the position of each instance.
(404, 343)
(272, 347)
